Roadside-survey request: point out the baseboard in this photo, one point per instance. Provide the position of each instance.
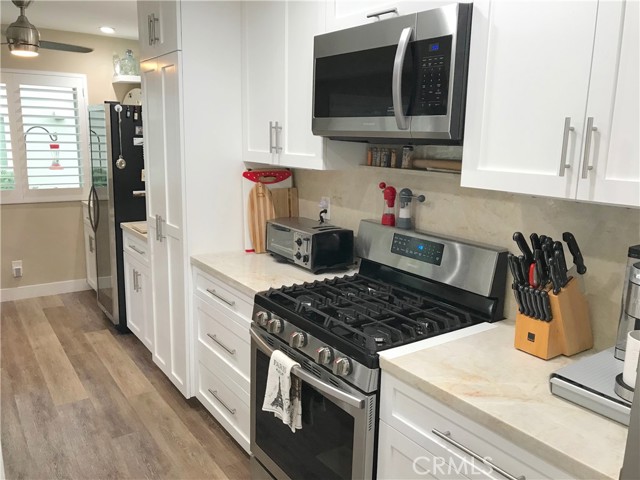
(43, 289)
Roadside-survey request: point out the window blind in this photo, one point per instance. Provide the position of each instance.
(7, 177)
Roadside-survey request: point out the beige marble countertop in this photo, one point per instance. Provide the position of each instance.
(254, 272)
(486, 379)
(137, 229)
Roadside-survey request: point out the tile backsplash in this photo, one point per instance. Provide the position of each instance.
(604, 233)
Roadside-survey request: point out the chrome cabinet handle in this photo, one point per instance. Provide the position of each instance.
(329, 390)
(446, 436)
(278, 129)
(565, 144)
(135, 280)
(232, 411)
(271, 147)
(396, 79)
(211, 291)
(159, 234)
(155, 22)
(587, 147)
(149, 27)
(91, 247)
(136, 249)
(213, 337)
(382, 12)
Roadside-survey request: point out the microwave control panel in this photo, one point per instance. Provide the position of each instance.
(417, 248)
(433, 66)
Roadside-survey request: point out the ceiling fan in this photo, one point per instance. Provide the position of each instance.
(23, 37)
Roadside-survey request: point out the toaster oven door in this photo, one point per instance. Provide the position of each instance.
(280, 240)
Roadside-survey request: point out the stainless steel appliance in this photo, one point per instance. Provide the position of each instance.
(309, 243)
(410, 286)
(116, 195)
(403, 79)
(630, 304)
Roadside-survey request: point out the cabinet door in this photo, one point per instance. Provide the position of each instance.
(262, 77)
(158, 27)
(610, 169)
(351, 13)
(524, 82)
(90, 255)
(300, 148)
(134, 306)
(146, 306)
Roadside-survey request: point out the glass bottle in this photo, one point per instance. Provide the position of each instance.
(128, 64)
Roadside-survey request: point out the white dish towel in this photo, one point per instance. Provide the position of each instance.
(282, 395)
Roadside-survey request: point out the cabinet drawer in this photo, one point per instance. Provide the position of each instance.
(222, 338)
(136, 247)
(226, 402)
(420, 417)
(215, 292)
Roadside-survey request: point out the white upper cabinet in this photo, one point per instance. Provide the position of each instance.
(351, 13)
(158, 27)
(277, 83)
(534, 93)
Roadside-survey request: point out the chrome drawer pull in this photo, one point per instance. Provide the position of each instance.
(565, 144)
(446, 436)
(231, 303)
(213, 337)
(232, 411)
(587, 147)
(136, 249)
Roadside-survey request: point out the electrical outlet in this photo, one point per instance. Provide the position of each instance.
(325, 203)
(16, 266)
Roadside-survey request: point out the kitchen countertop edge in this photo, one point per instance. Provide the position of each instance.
(201, 263)
(130, 230)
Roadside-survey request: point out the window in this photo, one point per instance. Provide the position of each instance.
(43, 137)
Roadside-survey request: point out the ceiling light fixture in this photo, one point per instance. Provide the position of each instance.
(108, 30)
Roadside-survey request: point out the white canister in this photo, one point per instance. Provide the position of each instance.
(629, 373)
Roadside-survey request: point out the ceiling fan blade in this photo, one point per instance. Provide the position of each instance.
(64, 47)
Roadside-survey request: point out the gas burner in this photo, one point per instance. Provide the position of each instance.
(306, 300)
(380, 334)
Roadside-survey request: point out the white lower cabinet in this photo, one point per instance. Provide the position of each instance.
(222, 350)
(419, 437)
(137, 285)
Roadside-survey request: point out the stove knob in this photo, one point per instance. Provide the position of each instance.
(323, 355)
(262, 318)
(274, 325)
(342, 366)
(297, 340)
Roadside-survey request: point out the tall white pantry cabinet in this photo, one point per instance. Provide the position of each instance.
(193, 166)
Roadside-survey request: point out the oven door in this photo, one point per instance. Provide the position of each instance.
(338, 424)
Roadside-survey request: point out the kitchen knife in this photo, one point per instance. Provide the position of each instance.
(514, 266)
(546, 304)
(562, 273)
(524, 248)
(557, 247)
(516, 294)
(543, 238)
(525, 300)
(538, 295)
(572, 243)
(524, 268)
(535, 242)
(557, 283)
(536, 306)
(547, 253)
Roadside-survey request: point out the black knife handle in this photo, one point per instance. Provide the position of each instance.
(525, 300)
(516, 294)
(523, 246)
(562, 273)
(572, 243)
(524, 269)
(535, 242)
(538, 257)
(557, 283)
(546, 304)
(557, 247)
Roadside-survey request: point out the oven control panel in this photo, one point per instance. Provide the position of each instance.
(417, 248)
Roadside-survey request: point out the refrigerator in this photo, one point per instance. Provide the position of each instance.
(117, 195)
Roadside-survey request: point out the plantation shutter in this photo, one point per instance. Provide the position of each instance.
(7, 176)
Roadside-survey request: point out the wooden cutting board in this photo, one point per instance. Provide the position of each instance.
(260, 209)
(285, 201)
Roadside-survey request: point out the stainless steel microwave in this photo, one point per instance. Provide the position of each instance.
(399, 80)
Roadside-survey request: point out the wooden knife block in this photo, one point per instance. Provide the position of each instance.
(568, 333)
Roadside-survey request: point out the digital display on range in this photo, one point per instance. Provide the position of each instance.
(417, 248)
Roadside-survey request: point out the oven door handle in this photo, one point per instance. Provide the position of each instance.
(329, 390)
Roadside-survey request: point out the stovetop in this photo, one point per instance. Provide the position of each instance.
(370, 314)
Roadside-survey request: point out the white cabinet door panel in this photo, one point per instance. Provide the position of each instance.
(613, 104)
(523, 82)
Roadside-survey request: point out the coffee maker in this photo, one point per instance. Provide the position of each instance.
(630, 304)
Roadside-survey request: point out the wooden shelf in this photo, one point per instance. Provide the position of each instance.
(126, 79)
(409, 171)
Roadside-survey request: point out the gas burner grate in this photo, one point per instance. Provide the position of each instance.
(369, 313)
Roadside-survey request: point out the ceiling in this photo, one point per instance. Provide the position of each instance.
(78, 16)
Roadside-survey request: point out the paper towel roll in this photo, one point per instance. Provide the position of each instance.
(629, 372)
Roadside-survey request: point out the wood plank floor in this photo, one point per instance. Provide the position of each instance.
(81, 401)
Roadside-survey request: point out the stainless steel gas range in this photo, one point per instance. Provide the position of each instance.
(410, 286)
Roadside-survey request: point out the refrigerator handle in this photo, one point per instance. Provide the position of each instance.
(90, 209)
(96, 209)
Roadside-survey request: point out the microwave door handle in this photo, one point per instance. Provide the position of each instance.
(329, 390)
(396, 80)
